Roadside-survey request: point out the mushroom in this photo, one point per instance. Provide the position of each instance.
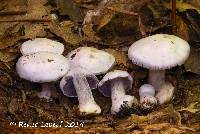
(41, 45)
(157, 53)
(42, 67)
(114, 84)
(85, 63)
(147, 99)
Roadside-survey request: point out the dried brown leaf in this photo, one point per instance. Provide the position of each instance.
(193, 62)
(105, 19)
(89, 32)
(182, 29)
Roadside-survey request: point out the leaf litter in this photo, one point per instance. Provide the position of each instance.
(105, 29)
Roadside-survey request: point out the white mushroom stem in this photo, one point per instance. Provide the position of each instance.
(147, 99)
(164, 89)
(156, 78)
(48, 91)
(87, 104)
(119, 97)
(165, 93)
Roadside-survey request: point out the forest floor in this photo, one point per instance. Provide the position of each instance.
(112, 27)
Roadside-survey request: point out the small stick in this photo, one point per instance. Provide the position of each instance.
(173, 17)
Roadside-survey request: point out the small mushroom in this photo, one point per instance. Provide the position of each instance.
(85, 63)
(147, 99)
(114, 84)
(157, 53)
(41, 45)
(42, 67)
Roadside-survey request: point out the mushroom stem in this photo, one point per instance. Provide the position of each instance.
(87, 104)
(48, 91)
(164, 89)
(156, 78)
(119, 97)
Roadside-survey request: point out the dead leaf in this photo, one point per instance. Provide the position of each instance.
(193, 63)
(64, 31)
(89, 32)
(182, 6)
(68, 7)
(105, 19)
(6, 57)
(182, 29)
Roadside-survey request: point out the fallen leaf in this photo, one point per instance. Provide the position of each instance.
(182, 29)
(193, 63)
(105, 19)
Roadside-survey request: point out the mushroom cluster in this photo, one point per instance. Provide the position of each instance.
(157, 53)
(42, 62)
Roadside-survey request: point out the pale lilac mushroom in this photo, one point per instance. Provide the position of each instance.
(42, 68)
(44, 45)
(85, 63)
(157, 53)
(147, 99)
(41, 45)
(115, 84)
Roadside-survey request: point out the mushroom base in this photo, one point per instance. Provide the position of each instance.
(119, 98)
(89, 109)
(87, 104)
(165, 93)
(164, 90)
(148, 102)
(147, 99)
(48, 91)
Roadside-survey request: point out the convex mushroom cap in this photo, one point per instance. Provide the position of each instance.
(160, 51)
(41, 45)
(112, 77)
(92, 59)
(42, 67)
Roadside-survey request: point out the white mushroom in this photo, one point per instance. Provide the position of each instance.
(41, 45)
(147, 99)
(114, 84)
(157, 53)
(42, 67)
(92, 59)
(85, 63)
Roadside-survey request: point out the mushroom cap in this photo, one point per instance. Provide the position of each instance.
(41, 45)
(105, 84)
(67, 85)
(42, 67)
(92, 59)
(160, 51)
(147, 89)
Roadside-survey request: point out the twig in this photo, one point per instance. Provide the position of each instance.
(173, 17)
